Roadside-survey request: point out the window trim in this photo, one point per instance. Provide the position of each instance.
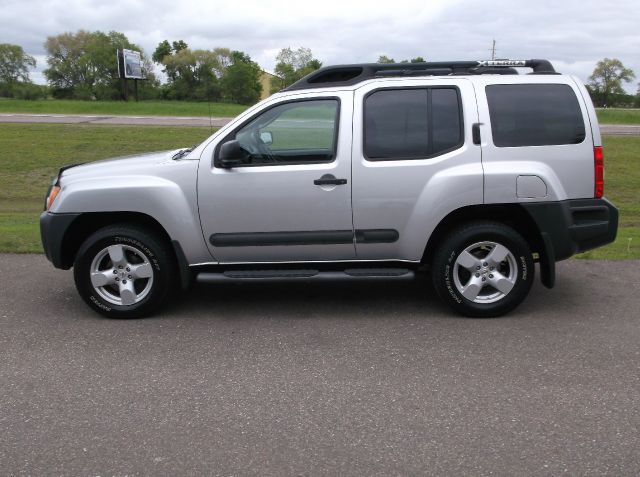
(458, 145)
(232, 135)
(575, 95)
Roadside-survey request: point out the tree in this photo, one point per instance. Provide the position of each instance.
(241, 80)
(195, 74)
(606, 80)
(291, 65)
(14, 64)
(385, 59)
(179, 45)
(209, 75)
(163, 49)
(83, 65)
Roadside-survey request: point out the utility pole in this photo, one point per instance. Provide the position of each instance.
(493, 50)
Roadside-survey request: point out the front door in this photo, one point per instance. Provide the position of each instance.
(290, 198)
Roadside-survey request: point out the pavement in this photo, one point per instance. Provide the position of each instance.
(609, 129)
(331, 379)
(113, 120)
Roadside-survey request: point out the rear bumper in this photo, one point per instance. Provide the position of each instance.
(53, 228)
(572, 226)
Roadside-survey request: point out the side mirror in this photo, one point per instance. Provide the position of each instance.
(266, 137)
(230, 155)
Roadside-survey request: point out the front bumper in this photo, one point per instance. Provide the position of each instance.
(53, 230)
(572, 226)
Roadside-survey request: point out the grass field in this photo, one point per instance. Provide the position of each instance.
(131, 108)
(618, 116)
(32, 154)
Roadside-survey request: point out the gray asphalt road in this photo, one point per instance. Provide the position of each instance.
(614, 130)
(335, 379)
(113, 120)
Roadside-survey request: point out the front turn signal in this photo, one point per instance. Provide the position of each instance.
(55, 190)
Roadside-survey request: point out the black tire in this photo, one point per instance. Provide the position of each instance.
(477, 240)
(142, 252)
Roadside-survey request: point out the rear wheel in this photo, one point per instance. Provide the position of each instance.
(483, 269)
(123, 271)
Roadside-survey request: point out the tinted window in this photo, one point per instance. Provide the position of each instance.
(534, 115)
(411, 123)
(291, 133)
(447, 127)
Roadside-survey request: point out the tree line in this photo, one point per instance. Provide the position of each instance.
(82, 65)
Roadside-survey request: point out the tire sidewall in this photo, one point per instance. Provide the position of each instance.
(137, 239)
(457, 243)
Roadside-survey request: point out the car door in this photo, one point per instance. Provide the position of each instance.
(414, 162)
(290, 197)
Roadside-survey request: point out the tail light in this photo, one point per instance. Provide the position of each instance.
(598, 160)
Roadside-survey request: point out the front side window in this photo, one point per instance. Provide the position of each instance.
(534, 115)
(292, 133)
(413, 123)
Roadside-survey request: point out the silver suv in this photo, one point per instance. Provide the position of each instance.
(468, 170)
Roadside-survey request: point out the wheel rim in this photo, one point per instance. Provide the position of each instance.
(485, 272)
(121, 275)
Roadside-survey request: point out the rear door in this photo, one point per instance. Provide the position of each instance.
(414, 162)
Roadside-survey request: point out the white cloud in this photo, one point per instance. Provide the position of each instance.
(574, 34)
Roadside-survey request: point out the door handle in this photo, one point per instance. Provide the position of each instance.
(328, 179)
(475, 133)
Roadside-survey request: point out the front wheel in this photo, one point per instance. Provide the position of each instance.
(483, 269)
(124, 271)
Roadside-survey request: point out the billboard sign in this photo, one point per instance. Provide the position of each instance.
(129, 64)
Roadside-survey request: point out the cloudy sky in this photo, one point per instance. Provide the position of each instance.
(573, 34)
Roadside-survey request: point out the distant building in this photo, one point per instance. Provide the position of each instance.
(265, 81)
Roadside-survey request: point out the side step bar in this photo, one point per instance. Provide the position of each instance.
(353, 274)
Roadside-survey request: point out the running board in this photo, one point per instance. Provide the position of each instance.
(352, 274)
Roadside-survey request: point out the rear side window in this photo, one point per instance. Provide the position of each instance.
(415, 123)
(534, 115)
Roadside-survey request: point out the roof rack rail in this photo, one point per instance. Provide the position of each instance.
(347, 75)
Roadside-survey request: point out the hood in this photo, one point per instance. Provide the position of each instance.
(142, 163)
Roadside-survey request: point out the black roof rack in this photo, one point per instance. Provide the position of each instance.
(347, 75)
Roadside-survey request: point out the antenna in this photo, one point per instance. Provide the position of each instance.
(493, 50)
(208, 84)
(210, 120)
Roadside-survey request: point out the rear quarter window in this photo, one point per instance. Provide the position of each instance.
(534, 115)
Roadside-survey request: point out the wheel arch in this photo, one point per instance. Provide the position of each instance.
(512, 215)
(87, 223)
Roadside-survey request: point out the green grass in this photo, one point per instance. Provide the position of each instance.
(19, 232)
(131, 108)
(618, 116)
(32, 154)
